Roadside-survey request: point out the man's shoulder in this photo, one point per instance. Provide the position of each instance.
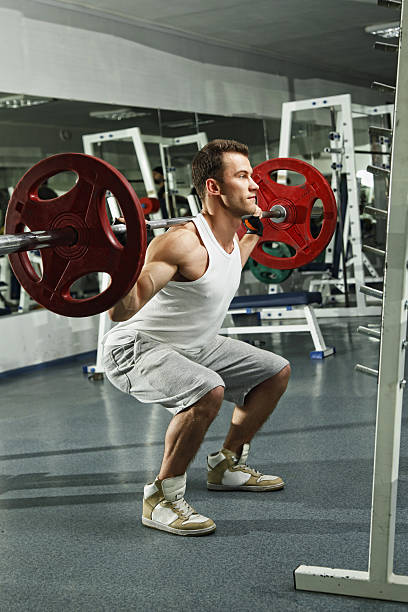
(177, 242)
(186, 235)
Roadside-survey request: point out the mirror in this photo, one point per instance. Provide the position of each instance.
(34, 128)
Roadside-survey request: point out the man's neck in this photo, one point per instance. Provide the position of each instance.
(224, 227)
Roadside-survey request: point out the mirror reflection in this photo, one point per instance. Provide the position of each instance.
(153, 148)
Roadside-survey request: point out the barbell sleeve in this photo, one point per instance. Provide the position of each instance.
(30, 241)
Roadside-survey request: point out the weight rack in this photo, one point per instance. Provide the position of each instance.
(380, 581)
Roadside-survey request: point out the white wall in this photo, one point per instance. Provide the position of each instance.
(42, 58)
(39, 336)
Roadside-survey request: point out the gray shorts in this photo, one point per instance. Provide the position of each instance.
(155, 372)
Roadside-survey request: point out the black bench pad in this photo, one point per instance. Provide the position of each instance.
(292, 298)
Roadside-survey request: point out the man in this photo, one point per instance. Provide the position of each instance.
(166, 349)
(158, 178)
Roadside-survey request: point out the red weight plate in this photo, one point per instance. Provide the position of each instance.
(155, 205)
(97, 249)
(298, 202)
(147, 206)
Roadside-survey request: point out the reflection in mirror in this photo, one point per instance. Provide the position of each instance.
(177, 123)
(57, 185)
(34, 128)
(271, 137)
(248, 130)
(292, 178)
(85, 287)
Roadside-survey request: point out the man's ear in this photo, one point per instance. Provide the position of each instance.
(212, 186)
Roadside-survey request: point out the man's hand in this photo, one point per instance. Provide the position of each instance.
(253, 223)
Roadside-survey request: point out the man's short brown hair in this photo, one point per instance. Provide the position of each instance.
(208, 162)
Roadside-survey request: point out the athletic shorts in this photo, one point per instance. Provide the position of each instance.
(157, 373)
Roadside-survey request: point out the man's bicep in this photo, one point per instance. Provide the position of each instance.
(156, 274)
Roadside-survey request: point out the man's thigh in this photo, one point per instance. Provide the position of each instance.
(241, 366)
(155, 373)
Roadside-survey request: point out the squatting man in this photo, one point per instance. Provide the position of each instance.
(166, 348)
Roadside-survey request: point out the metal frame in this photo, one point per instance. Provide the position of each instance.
(138, 139)
(344, 146)
(171, 191)
(380, 581)
(266, 314)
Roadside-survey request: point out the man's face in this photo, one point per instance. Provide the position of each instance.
(237, 189)
(157, 177)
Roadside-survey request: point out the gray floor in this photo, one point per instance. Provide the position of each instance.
(75, 455)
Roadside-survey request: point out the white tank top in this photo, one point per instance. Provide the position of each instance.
(188, 314)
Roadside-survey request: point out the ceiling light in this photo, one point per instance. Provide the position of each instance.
(187, 123)
(384, 30)
(21, 101)
(117, 114)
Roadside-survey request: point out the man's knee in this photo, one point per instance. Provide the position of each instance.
(284, 376)
(279, 381)
(208, 406)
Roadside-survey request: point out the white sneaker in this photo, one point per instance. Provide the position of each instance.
(165, 508)
(226, 472)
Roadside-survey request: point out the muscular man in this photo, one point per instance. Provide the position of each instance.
(166, 349)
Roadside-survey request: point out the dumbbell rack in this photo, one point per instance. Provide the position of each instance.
(380, 581)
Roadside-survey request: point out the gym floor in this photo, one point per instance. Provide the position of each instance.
(75, 455)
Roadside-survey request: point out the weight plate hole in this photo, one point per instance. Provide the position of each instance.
(33, 258)
(287, 177)
(113, 214)
(56, 185)
(316, 218)
(278, 249)
(89, 285)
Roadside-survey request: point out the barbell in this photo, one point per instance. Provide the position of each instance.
(76, 238)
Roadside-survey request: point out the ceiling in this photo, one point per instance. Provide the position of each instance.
(296, 38)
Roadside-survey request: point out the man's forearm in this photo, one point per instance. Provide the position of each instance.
(137, 297)
(246, 245)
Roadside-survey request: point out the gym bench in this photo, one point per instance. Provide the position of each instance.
(276, 305)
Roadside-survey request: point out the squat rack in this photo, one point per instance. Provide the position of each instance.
(380, 581)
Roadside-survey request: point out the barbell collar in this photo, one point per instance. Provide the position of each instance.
(277, 212)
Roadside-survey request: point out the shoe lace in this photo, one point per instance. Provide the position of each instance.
(253, 471)
(182, 506)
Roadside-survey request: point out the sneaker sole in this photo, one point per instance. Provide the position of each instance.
(183, 532)
(221, 487)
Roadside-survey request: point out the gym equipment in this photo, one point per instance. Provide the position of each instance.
(77, 238)
(379, 578)
(79, 234)
(150, 205)
(297, 202)
(271, 306)
(271, 275)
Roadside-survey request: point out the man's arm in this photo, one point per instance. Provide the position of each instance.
(254, 232)
(163, 257)
(246, 245)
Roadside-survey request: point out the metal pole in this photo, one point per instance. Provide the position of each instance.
(340, 217)
(68, 236)
(30, 241)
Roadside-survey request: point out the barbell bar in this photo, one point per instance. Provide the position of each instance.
(68, 236)
(77, 239)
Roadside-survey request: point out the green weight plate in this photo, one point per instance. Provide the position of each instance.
(268, 275)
